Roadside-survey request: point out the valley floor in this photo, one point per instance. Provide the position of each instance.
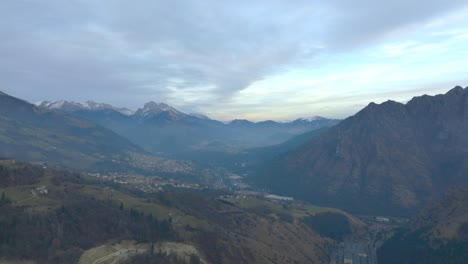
(364, 250)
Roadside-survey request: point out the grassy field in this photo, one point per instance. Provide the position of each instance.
(128, 201)
(158, 210)
(22, 195)
(294, 208)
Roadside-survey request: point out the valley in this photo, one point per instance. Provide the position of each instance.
(312, 197)
(358, 248)
(188, 216)
(233, 132)
(163, 130)
(364, 250)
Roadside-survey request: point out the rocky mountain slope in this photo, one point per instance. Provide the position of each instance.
(390, 158)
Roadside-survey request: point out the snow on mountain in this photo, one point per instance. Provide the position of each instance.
(152, 108)
(126, 111)
(70, 106)
(60, 105)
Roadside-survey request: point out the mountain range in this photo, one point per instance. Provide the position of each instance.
(31, 133)
(90, 105)
(164, 130)
(35, 134)
(390, 158)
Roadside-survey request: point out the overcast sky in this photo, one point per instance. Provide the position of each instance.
(255, 59)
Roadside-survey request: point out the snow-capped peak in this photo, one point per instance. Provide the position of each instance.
(93, 105)
(70, 106)
(155, 106)
(58, 104)
(151, 108)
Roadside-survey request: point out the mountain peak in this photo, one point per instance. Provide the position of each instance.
(151, 105)
(457, 90)
(152, 108)
(377, 151)
(383, 104)
(61, 104)
(240, 121)
(375, 110)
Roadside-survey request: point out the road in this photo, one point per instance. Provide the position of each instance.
(120, 253)
(364, 250)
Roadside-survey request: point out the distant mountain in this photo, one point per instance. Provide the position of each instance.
(32, 133)
(241, 123)
(438, 234)
(251, 160)
(308, 119)
(256, 158)
(390, 158)
(71, 107)
(159, 112)
(162, 129)
(289, 145)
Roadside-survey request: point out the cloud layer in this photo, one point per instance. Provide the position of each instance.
(200, 55)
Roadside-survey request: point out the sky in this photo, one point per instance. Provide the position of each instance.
(255, 59)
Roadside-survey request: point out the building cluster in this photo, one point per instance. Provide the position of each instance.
(278, 198)
(161, 164)
(147, 184)
(41, 190)
(236, 182)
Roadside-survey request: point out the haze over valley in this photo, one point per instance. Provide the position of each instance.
(235, 132)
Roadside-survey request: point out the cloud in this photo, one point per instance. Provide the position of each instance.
(361, 22)
(103, 47)
(187, 52)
